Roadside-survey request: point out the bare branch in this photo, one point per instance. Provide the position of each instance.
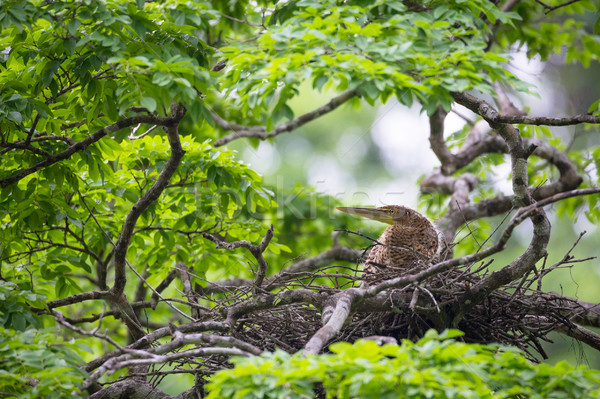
(23, 146)
(548, 8)
(269, 301)
(541, 225)
(184, 275)
(153, 336)
(78, 298)
(255, 250)
(262, 134)
(62, 320)
(334, 316)
(493, 117)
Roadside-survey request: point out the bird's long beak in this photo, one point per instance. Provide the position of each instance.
(371, 213)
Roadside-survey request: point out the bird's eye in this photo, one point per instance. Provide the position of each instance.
(391, 211)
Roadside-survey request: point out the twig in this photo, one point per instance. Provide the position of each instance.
(184, 275)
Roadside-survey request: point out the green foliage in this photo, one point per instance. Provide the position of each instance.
(14, 306)
(437, 366)
(71, 68)
(200, 198)
(349, 45)
(37, 363)
(567, 31)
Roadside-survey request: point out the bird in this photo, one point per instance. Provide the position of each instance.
(411, 241)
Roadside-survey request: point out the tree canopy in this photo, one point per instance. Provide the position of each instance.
(135, 246)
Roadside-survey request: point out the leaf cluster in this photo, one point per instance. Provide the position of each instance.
(437, 366)
(35, 363)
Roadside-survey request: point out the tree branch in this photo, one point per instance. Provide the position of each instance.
(184, 275)
(255, 250)
(436, 136)
(120, 252)
(77, 298)
(493, 117)
(334, 315)
(260, 132)
(541, 225)
(83, 144)
(260, 302)
(155, 335)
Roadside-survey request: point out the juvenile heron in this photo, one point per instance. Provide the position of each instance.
(410, 241)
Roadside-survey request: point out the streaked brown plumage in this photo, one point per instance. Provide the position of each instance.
(410, 241)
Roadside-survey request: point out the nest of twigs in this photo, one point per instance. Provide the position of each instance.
(507, 316)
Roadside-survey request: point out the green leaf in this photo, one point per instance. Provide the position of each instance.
(48, 72)
(15, 116)
(595, 107)
(149, 103)
(73, 26)
(69, 46)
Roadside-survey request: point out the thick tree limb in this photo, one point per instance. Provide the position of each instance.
(436, 136)
(262, 134)
(541, 225)
(478, 143)
(334, 316)
(117, 298)
(120, 252)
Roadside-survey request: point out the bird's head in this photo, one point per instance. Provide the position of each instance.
(390, 214)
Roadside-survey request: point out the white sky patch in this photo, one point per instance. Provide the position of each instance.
(350, 148)
(454, 122)
(531, 71)
(328, 177)
(402, 136)
(296, 149)
(265, 159)
(500, 177)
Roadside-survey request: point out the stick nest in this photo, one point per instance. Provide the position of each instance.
(516, 315)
